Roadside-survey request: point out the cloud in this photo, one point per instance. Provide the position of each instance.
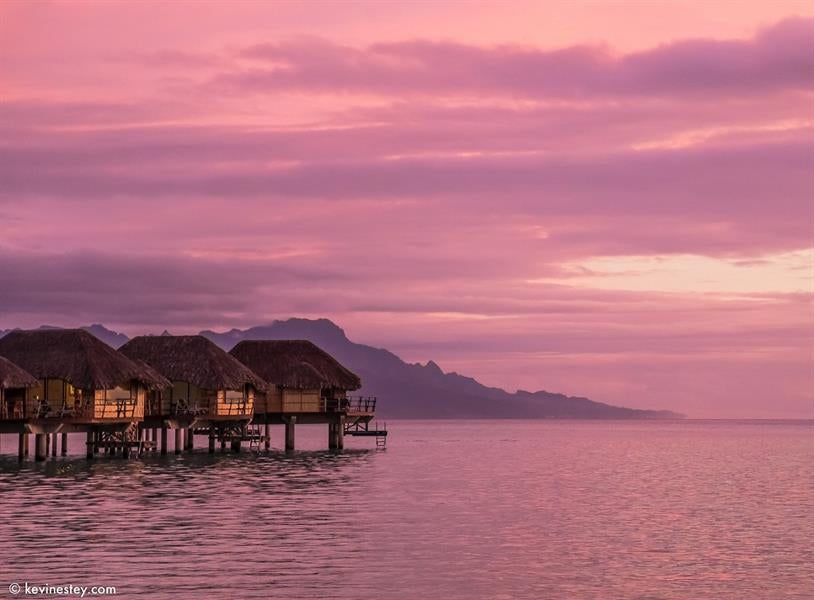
(778, 58)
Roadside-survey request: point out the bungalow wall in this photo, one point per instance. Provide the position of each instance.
(185, 396)
(63, 399)
(230, 403)
(291, 400)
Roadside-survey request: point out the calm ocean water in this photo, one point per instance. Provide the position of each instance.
(511, 509)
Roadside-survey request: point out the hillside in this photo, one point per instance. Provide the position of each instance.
(412, 390)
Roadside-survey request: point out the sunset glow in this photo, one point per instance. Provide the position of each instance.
(611, 200)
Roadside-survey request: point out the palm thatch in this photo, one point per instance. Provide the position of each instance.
(12, 376)
(193, 359)
(295, 364)
(75, 356)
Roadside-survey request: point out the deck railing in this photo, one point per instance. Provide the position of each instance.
(365, 404)
(115, 408)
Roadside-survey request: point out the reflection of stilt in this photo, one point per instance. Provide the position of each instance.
(40, 446)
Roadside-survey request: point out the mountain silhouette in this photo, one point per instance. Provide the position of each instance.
(412, 390)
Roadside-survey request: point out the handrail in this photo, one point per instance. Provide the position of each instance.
(351, 404)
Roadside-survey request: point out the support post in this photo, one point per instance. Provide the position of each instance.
(64, 444)
(40, 446)
(331, 435)
(178, 432)
(340, 433)
(163, 440)
(90, 442)
(211, 439)
(222, 439)
(236, 445)
(22, 442)
(27, 446)
(47, 443)
(267, 435)
(290, 424)
(190, 439)
(54, 438)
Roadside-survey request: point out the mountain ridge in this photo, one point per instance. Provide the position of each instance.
(412, 390)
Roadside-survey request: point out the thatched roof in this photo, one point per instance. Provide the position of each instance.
(76, 356)
(295, 364)
(194, 359)
(12, 376)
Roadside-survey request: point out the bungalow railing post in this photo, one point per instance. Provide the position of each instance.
(64, 445)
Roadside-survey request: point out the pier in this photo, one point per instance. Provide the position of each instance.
(125, 403)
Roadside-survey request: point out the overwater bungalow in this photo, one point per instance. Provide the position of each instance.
(82, 384)
(306, 385)
(14, 382)
(211, 392)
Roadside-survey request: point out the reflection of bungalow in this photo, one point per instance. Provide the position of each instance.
(81, 382)
(13, 383)
(210, 388)
(302, 377)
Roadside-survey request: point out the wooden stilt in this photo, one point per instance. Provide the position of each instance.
(40, 446)
(178, 432)
(54, 439)
(267, 435)
(211, 440)
(47, 443)
(163, 441)
(22, 442)
(236, 445)
(340, 433)
(222, 439)
(63, 450)
(331, 435)
(27, 446)
(290, 424)
(90, 442)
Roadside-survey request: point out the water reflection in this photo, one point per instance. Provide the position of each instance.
(452, 510)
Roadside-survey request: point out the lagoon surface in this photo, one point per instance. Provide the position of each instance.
(451, 509)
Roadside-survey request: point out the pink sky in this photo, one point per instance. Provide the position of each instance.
(601, 199)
